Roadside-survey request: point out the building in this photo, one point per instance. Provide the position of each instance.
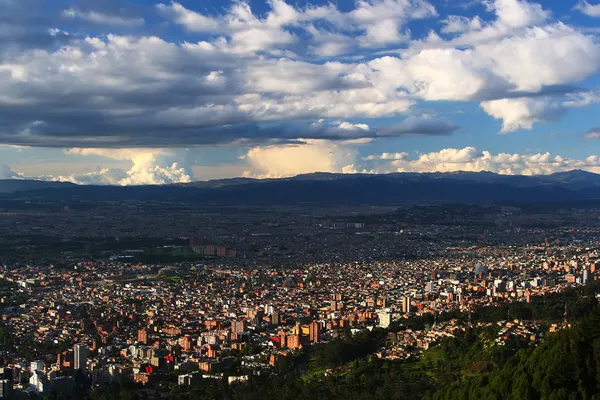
(101, 374)
(6, 387)
(275, 318)
(314, 332)
(63, 387)
(293, 341)
(385, 319)
(333, 305)
(37, 365)
(39, 384)
(6, 383)
(406, 305)
(143, 336)
(187, 379)
(429, 287)
(80, 357)
(238, 326)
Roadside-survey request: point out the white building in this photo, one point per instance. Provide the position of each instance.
(37, 365)
(385, 319)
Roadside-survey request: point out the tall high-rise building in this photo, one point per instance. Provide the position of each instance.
(81, 353)
(406, 304)
(314, 332)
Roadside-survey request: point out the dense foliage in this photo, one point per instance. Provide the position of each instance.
(566, 366)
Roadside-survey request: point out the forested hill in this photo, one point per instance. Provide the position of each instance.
(566, 366)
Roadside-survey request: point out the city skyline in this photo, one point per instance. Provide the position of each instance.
(151, 92)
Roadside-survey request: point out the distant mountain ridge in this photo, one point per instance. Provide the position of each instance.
(570, 179)
(330, 188)
(16, 185)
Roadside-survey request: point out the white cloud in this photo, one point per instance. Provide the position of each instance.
(246, 32)
(522, 113)
(150, 167)
(191, 20)
(349, 126)
(289, 160)
(378, 23)
(517, 13)
(535, 58)
(471, 159)
(591, 10)
(104, 176)
(253, 69)
(543, 56)
(383, 20)
(386, 156)
(96, 17)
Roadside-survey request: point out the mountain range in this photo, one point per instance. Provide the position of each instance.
(329, 188)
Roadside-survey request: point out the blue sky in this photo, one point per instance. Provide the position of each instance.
(144, 92)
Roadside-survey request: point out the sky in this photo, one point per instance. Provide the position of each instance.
(129, 92)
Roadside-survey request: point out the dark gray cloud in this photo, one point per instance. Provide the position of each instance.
(27, 24)
(107, 134)
(507, 91)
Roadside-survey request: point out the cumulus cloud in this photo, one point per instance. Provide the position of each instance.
(591, 10)
(528, 62)
(104, 176)
(523, 113)
(474, 160)
(376, 23)
(150, 167)
(289, 160)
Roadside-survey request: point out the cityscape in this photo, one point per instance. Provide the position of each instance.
(257, 288)
(299, 200)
